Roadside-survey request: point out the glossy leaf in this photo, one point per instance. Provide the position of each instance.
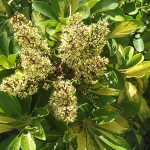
(4, 62)
(10, 105)
(85, 11)
(27, 142)
(71, 133)
(37, 130)
(12, 59)
(4, 145)
(42, 111)
(144, 109)
(136, 59)
(107, 91)
(16, 143)
(91, 3)
(47, 11)
(81, 141)
(112, 45)
(126, 28)
(139, 70)
(130, 8)
(5, 128)
(114, 127)
(4, 43)
(138, 43)
(116, 14)
(128, 53)
(114, 141)
(104, 5)
(106, 115)
(132, 100)
(6, 119)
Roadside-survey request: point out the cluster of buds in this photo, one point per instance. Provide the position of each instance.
(81, 46)
(63, 101)
(35, 60)
(19, 84)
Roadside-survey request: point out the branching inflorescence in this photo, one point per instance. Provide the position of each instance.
(34, 60)
(80, 50)
(63, 101)
(81, 46)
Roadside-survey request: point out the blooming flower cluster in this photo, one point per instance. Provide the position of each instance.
(80, 49)
(63, 101)
(34, 60)
(81, 46)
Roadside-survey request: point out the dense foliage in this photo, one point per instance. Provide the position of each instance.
(74, 74)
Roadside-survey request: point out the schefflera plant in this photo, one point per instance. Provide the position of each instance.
(79, 50)
(78, 119)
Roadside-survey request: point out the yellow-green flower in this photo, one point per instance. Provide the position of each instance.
(81, 46)
(63, 101)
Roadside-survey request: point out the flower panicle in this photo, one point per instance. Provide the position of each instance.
(63, 101)
(81, 46)
(35, 60)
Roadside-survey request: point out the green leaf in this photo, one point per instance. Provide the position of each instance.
(139, 70)
(132, 92)
(107, 91)
(44, 8)
(4, 62)
(6, 72)
(81, 141)
(5, 128)
(130, 8)
(50, 31)
(104, 5)
(114, 141)
(12, 59)
(126, 28)
(128, 53)
(3, 9)
(120, 55)
(136, 59)
(58, 28)
(4, 43)
(90, 144)
(55, 6)
(144, 109)
(91, 3)
(36, 130)
(85, 11)
(116, 14)
(74, 6)
(105, 115)
(138, 43)
(16, 144)
(105, 100)
(131, 100)
(4, 145)
(42, 111)
(10, 105)
(112, 45)
(5, 119)
(27, 142)
(71, 133)
(115, 127)
(49, 22)
(8, 8)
